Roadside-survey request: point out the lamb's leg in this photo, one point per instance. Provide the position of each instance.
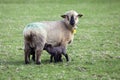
(59, 58)
(55, 58)
(51, 57)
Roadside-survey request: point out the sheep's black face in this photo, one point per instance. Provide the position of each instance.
(72, 21)
(71, 18)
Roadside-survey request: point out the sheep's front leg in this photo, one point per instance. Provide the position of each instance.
(64, 44)
(66, 55)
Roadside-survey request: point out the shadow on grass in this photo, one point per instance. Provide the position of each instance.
(12, 62)
(21, 62)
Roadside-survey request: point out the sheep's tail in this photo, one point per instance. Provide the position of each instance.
(35, 35)
(29, 37)
(35, 38)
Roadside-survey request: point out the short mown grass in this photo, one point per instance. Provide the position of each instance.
(94, 53)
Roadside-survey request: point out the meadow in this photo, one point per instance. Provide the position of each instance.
(94, 53)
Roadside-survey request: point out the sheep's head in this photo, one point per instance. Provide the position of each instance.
(71, 18)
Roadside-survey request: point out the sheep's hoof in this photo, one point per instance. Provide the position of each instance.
(38, 63)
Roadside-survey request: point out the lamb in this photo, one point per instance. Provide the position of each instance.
(32, 52)
(56, 52)
(53, 51)
(50, 32)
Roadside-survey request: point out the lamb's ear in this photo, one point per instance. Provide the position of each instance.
(49, 45)
(45, 46)
(80, 15)
(63, 16)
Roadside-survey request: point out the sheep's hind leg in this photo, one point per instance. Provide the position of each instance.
(27, 54)
(38, 54)
(39, 42)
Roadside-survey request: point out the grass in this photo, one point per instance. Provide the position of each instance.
(94, 54)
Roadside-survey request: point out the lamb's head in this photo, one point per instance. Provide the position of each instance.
(71, 18)
(48, 46)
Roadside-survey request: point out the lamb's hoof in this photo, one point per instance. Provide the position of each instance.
(55, 61)
(26, 62)
(67, 60)
(38, 63)
(50, 61)
(61, 60)
(33, 60)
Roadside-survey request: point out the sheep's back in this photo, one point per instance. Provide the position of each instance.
(57, 32)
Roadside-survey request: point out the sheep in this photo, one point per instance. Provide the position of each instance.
(56, 52)
(51, 32)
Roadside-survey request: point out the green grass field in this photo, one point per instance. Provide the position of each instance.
(94, 53)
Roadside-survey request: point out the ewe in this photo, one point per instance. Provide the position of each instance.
(50, 32)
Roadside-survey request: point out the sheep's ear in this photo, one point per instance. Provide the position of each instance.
(80, 15)
(63, 16)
